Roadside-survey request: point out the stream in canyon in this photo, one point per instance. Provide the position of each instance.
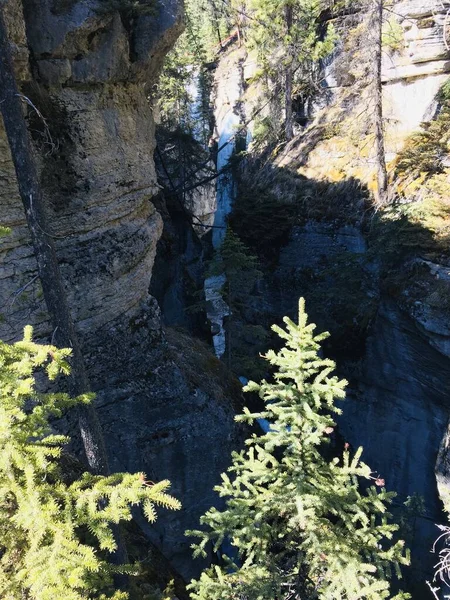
(165, 404)
(227, 123)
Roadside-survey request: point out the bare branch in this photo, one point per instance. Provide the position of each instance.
(18, 292)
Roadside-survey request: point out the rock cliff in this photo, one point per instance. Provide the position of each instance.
(378, 280)
(165, 404)
(415, 66)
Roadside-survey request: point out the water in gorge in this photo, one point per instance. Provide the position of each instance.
(227, 127)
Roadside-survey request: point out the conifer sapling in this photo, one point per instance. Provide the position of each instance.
(56, 534)
(301, 525)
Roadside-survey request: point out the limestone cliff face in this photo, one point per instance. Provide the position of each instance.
(398, 400)
(416, 62)
(396, 359)
(89, 78)
(390, 333)
(86, 74)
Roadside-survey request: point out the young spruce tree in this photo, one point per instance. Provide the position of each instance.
(301, 526)
(241, 270)
(56, 532)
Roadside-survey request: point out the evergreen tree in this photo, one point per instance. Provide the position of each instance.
(56, 534)
(240, 267)
(376, 28)
(285, 37)
(301, 525)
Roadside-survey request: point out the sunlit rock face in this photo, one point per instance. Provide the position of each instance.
(337, 142)
(414, 72)
(416, 59)
(89, 79)
(421, 48)
(88, 72)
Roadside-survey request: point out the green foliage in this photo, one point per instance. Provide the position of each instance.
(393, 35)
(301, 525)
(425, 150)
(174, 99)
(268, 32)
(284, 45)
(237, 263)
(55, 535)
(403, 230)
(262, 26)
(262, 221)
(445, 91)
(413, 507)
(186, 65)
(265, 132)
(342, 293)
(244, 339)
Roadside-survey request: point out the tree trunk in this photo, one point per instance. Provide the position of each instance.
(216, 21)
(289, 127)
(288, 78)
(376, 26)
(228, 302)
(44, 249)
(48, 269)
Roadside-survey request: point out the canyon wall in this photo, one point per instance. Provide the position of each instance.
(416, 64)
(165, 403)
(386, 306)
(396, 360)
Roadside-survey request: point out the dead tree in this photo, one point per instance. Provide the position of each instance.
(376, 30)
(288, 78)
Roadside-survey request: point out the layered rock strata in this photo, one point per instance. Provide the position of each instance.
(86, 72)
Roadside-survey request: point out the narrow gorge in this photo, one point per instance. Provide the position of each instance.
(150, 150)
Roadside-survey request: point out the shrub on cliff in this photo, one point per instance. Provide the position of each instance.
(300, 525)
(425, 151)
(55, 534)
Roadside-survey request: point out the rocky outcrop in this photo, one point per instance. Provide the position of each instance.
(394, 352)
(416, 69)
(398, 412)
(85, 72)
(166, 406)
(338, 142)
(420, 44)
(398, 400)
(201, 203)
(94, 136)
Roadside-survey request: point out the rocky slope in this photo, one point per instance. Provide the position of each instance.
(165, 404)
(378, 280)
